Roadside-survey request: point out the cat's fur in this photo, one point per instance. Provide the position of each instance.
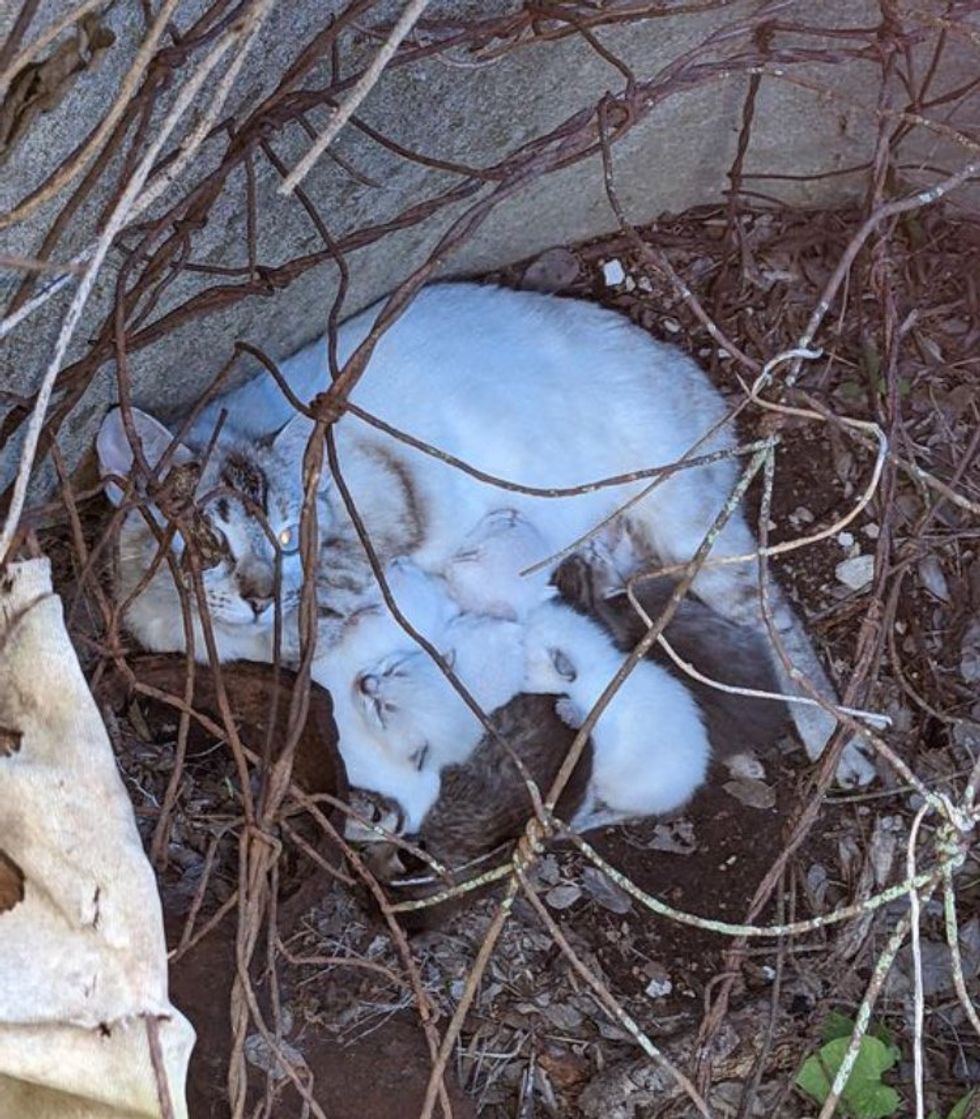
(650, 745)
(542, 391)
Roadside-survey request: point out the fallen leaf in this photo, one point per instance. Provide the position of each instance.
(752, 793)
(970, 653)
(933, 579)
(561, 897)
(605, 892)
(675, 838)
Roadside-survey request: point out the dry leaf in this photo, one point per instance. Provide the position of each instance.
(605, 892)
(561, 897)
(752, 793)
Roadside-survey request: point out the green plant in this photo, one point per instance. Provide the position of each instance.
(865, 1095)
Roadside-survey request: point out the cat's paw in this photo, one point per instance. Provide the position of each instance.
(856, 767)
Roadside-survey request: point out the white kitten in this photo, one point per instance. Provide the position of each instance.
(406, 701)
(483, 575)
(372, 759)
(650, 746)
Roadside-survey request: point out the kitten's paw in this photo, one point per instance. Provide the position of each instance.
(569, 712)
(856, 767)
(745, 764)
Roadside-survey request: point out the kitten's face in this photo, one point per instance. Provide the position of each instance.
(408, 704)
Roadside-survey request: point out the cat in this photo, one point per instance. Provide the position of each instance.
(650, 744)
(542, 391)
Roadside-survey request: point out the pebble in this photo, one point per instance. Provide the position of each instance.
(659, 986)
(856, 572)
(613, 273)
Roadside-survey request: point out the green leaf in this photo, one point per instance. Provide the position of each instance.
(959, 1109)
(836, 1025)
(865, 1096)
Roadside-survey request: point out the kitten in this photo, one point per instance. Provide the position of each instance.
(483, 575)
(542, 391)
(717, 648)
(650, 745)
(409, 704)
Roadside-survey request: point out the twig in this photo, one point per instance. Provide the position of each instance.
(367, 81)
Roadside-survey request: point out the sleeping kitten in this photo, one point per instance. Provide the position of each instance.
(411, 706)
(542, 391)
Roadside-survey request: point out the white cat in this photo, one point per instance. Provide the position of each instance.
(650, 744)
(544, 392)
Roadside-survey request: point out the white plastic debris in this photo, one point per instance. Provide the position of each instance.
(856, 572)
(613, 273)
(83, 971)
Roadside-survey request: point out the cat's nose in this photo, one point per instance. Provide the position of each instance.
(259, 604)
(367, 684)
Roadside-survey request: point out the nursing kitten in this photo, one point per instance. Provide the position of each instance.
(715, 647)
(650, 745)
(484, 802)
(538, 390)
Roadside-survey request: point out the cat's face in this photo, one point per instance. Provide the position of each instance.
(242, 525)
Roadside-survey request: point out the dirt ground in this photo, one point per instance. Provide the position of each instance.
(536, 1041)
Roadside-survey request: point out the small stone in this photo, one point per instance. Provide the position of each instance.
(802, 516)
(613, 273)
(871, 531)
(672, 326)
(845, 539)
(856, 572)
(660, 985)
(554, 270)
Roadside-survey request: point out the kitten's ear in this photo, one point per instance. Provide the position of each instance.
(563, 665)
(116, 454)
(291, 442)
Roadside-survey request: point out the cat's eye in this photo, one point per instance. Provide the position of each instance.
(288, 539)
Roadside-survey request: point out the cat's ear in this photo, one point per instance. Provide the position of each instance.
(116, 454)
(291, 442)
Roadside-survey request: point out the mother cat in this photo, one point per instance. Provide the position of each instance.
(538, 390)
